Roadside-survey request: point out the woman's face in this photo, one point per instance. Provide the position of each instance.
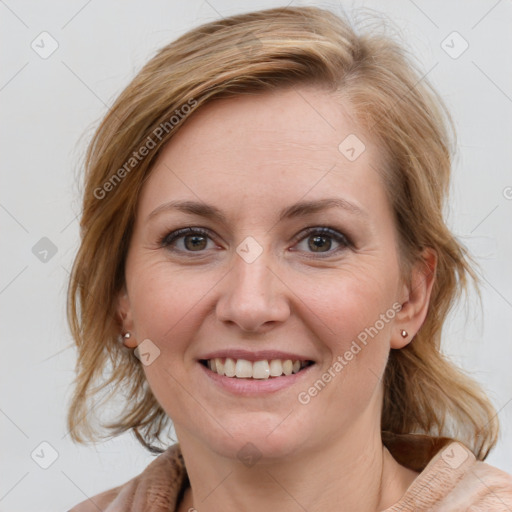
(289, 253)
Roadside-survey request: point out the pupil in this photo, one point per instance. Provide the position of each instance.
(195, 242)
(318, 242)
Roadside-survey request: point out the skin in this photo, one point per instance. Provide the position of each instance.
(251, 157)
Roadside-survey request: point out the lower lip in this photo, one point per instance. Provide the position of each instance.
(256, 386)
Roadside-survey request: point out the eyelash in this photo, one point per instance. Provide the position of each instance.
(338, 237)
(169, 238)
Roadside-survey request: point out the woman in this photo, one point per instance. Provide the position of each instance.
(265, 262)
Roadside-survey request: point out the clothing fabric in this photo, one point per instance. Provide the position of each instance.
(450, 480)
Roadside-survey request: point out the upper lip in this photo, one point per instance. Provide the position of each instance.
(257, 355)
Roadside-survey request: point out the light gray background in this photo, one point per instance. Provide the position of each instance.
(49, 107)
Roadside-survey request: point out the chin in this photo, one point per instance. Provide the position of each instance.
(262, 438)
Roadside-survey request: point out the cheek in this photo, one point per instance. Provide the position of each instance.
(166, 300)
(168, 309)
(351, 314)
(356, 319)
(347, 301)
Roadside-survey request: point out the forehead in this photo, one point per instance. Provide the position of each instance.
(282, 144)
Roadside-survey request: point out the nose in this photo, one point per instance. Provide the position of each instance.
(253, 296)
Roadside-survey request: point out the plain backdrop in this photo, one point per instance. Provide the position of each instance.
(50, 104)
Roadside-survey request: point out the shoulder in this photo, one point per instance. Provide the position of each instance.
(481, 488)
(160, 485)
(454, 480)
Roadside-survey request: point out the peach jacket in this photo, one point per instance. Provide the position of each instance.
(451, 480)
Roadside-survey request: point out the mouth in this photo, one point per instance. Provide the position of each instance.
(262, 369)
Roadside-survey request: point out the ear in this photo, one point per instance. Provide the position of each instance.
(416, 299)
(124, 313)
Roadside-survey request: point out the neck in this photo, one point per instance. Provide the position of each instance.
(356, 472)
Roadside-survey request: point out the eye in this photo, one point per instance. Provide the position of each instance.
(322, 239)
(187, 240)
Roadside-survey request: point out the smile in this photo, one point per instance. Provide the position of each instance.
(261, 370)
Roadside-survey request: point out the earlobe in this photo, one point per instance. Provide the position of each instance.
(124, 313)
(127, 341)
(417, 298)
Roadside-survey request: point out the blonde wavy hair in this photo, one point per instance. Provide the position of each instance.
(424, 393)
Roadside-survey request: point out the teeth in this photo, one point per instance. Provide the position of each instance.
(243, 369)
(229, 367)
(288, 367)
(276, 368)
(260, 370)
(219, 366)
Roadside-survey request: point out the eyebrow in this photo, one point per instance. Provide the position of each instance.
(300, 209)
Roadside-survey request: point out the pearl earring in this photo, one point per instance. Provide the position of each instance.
(404, 333)
(123, 337)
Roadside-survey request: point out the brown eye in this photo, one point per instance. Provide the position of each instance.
(187, 240)
(323, 240)
(319, 243)
(195, 242)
